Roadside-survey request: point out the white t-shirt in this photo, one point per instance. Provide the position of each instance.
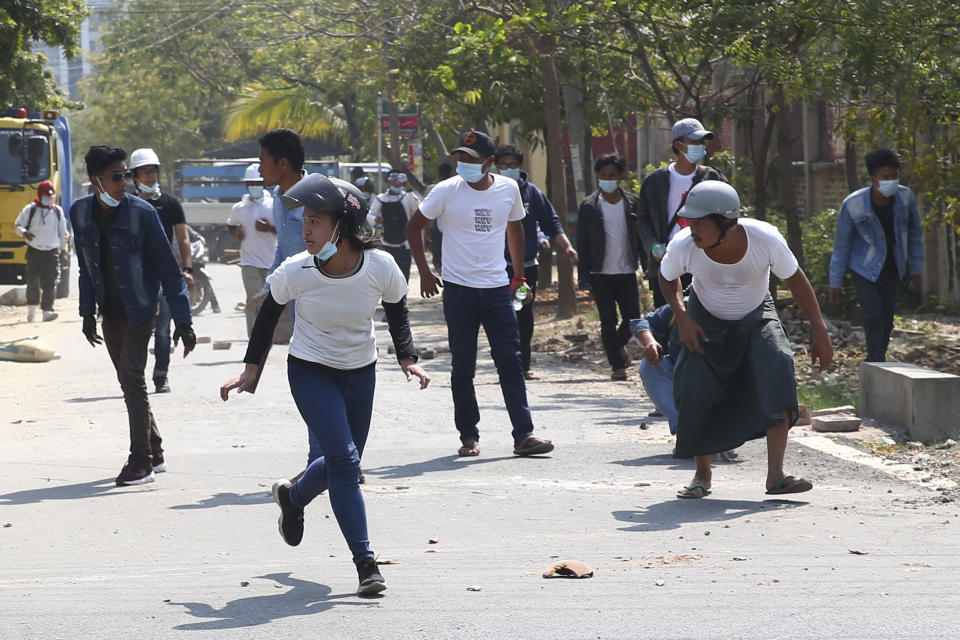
(334, 316)
(258, 247)
(679, 186)
(617, 257)
(474, 223)
(731, 291)
(408, 199)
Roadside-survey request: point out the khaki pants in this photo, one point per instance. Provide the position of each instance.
(253, 280)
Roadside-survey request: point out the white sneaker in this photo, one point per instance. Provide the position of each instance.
(31, 312)
(49, 315)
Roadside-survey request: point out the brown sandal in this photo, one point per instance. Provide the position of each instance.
(470, 448)
(532, 446)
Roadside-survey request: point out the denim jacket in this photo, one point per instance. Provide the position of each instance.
(661, 324)
(860, 245)
(142, 258)
(539, 214)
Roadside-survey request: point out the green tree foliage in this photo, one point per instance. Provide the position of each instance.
(23, 80)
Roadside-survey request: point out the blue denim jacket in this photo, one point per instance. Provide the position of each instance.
(660, 323)
(540, 213)
(860, 245)
(289, 225)
(142, 258)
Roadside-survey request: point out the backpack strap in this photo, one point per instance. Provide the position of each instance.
(33, 210)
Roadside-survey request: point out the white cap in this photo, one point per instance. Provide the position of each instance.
(143, 157)
(252, 173)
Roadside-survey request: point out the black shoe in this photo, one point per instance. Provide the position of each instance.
(291, 517)
(159, 466)
(361, 478)
(138, 470)
(371, 582)
(214, 306)
(162, 385)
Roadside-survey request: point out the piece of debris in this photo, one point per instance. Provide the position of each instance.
(434, 540)
(659, 583)
(7, 525)
(428, 354)
(569, 569)
(244, 583)
(386, 561)
(204, 339)
(840, 422)
(847, 408)
(221, 345)
(474, 588)
(739, 558)
(643, 426)
(391, 348)
(858, 552)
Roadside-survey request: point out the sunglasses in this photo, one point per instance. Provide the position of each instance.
(125, 176)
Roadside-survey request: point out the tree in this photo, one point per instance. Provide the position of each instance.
(23, 79)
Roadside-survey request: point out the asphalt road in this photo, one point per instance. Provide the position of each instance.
(197, 554)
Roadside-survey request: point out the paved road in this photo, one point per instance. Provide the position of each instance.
(197, 554)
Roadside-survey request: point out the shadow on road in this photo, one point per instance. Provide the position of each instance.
(91, 489)
(216, 364)
(304, 599)
(670, 514)
(228, 500)
(661, 459)
(443, 463)
(94, 399)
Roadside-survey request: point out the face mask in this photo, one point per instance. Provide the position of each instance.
(255, 191)
(46, 201)
(695, 153)
(888, 187)
(470, 172)
(149, 190)
(608, 186)
(328, 249)
(106, 198)
(513, 174)
(396, 190)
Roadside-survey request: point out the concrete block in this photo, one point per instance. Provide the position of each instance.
(391, 348)
(221, 345)
(838, 422)
(804, 415)
(925, 401)
(847, 408)
(428, 354)
(203, 340)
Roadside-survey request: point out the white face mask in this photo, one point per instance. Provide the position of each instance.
(46, 201)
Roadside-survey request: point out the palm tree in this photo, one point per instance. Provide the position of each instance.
(261, 109)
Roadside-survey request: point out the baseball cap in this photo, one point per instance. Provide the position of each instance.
(477, 144)
(45, 188)
(690, 128)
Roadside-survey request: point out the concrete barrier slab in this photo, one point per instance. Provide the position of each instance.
(925, 401)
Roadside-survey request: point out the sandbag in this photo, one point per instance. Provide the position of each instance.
(26, 350)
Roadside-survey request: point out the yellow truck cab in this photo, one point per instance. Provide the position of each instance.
(33, 148)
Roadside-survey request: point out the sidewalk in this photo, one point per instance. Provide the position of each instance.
(198, 550)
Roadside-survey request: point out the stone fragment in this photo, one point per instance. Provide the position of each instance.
(428, 354)
(390, 348)
(221, 345)
(847, 408)
(836, 423)
(204, 340)
(569, 569)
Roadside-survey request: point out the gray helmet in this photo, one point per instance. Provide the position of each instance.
(321, 194)
(709, 197)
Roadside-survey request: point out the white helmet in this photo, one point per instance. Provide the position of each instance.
(252, 173)
(143, 157)
(709, 197)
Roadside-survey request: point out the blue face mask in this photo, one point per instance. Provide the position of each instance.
(326, 252)
(255, 191)
(106, 198)
(888, 187)
(149, 190)
(513, 174)
(695, 152)
(470, 172)
(396, 190)
(608, 186)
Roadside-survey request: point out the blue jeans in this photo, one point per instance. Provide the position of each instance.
(658, 383)
(465, 309)
(877, 302)
(161, 342)
(336, 405)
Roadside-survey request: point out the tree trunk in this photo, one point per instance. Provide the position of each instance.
(566, 296)
(349, 104)
(787, 187)
(760, 168)
(850, 163)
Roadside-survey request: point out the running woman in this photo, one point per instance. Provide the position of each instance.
(337, 283)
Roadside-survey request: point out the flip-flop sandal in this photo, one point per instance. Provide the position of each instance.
(701, 490)
(532, 446)
(798, 486)
(469, 450)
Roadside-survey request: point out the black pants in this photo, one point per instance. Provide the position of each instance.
(877, 302)
(402, 257)
(43, 267)
(525, 315)
(127, 346)
(654, 281)
(610, 292)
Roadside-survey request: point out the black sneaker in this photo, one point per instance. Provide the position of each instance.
(159, 466)
(291, 517)
(138, 470)
(162, 386)
(371, 581)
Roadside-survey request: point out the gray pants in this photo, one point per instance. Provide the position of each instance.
(253, 280)
(43, 268)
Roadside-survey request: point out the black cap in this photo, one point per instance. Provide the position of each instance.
(477, 144)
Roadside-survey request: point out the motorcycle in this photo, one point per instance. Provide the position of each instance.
(202, 292)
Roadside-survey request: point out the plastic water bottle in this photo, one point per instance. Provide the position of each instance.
(519, 295)
(658, 250)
